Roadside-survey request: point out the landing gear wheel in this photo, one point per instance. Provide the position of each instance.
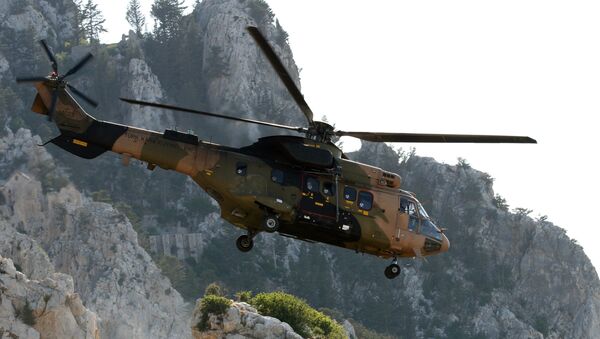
(270, 223)
(392, 271)
(244, 243)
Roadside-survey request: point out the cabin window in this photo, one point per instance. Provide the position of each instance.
(312, 184)
(241, 168)
(365, 200)
(277, 176)
(349, 193)
(328, 188)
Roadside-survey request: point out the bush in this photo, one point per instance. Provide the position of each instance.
(244, 296)
(213, 289)
(304, 319)
(211, 304)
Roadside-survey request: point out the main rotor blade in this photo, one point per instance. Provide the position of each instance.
(189, 110)
(451, 138)
(281, 71)
(31, 79)
(50, 55)
(78, 66)
(83, 96)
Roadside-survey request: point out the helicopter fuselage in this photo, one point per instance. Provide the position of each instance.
(313, 191)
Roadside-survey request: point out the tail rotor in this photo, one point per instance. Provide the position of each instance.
(57, 82)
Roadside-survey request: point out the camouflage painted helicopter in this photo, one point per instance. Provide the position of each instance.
(302, 187)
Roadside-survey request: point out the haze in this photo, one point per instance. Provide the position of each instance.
(511, 67)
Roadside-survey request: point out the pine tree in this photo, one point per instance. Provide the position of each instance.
(168, 14)
(92, 22)
(135, 17)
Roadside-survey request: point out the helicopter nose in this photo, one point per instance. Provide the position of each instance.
(445, 243)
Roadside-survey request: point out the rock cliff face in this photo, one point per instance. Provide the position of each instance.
(90, 241)
(223, 26)
(144, 85)
(529, 279)
(46, 308)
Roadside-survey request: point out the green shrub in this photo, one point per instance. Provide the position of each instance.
(213, 289)
(244, 296)
(304, 319)
(211, 304)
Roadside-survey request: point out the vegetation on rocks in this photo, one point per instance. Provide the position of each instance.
(304, 319)
(211, 304)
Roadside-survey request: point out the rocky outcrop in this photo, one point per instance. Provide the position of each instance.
(93, 243)
(242, 321)
(46, 20)
(144, 85)
(46, 308)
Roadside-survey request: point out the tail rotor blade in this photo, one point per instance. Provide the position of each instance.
(53, 104)
(30, 79)
(78, 66)
(50, 55)
(83, 96)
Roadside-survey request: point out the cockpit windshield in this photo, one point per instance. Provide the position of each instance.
(418, 216)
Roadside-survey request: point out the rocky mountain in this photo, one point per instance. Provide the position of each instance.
(506, 275)
(90, 241)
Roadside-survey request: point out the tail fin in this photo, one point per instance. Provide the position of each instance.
(68, 114)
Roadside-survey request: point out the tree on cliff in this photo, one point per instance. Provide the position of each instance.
(168, 14)
(92, 22)
(135, 17)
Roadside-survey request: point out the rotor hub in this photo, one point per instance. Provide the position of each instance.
(320, 131)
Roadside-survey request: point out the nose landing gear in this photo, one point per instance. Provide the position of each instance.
(393, 270)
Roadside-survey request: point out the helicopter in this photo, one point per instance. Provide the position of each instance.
(303, 187)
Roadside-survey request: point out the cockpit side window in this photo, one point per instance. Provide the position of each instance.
(408, 206)
(412, 209)
(403, 205)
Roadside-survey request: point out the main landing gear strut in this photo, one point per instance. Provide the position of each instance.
(393, 270)
(269, 224)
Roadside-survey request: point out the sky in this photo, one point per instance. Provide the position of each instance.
(483, 67)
